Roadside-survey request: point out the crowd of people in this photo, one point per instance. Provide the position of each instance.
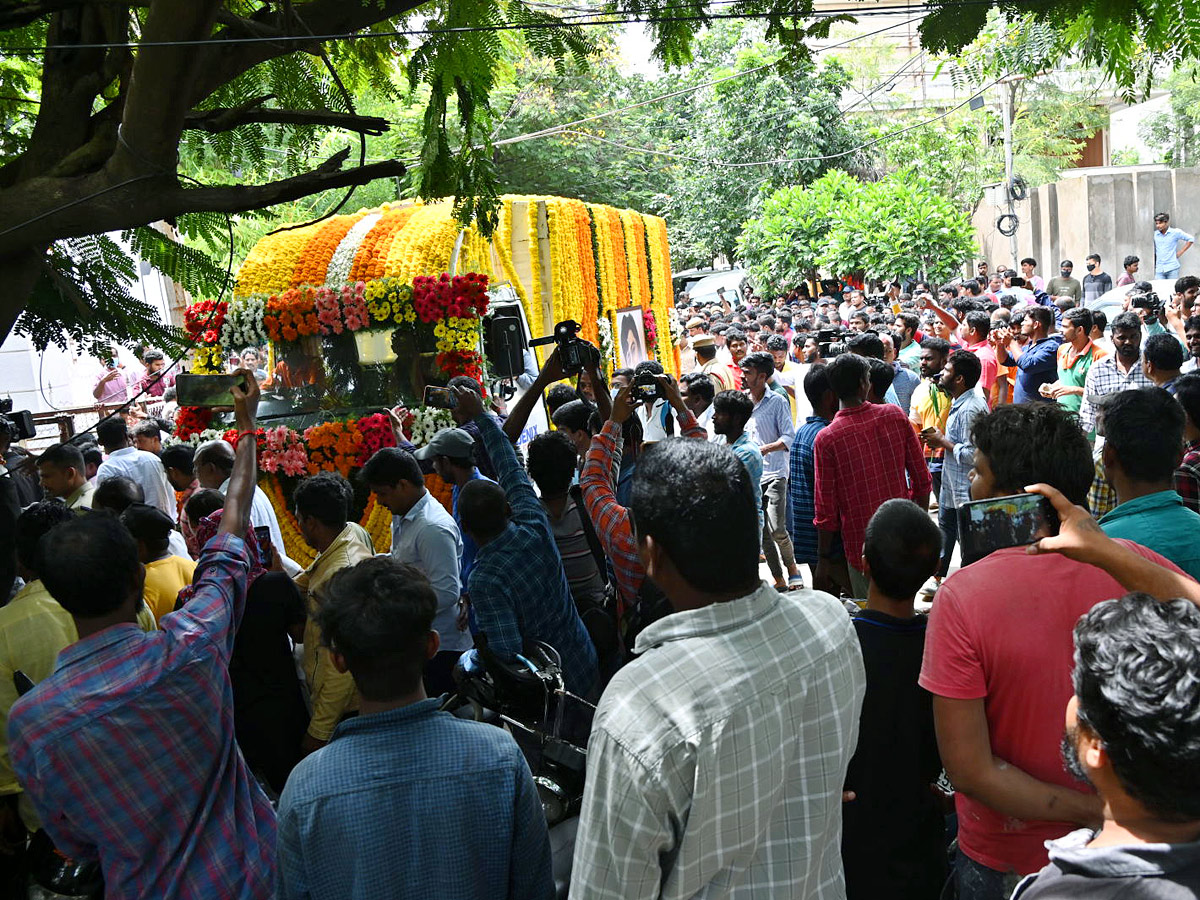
(184, 705)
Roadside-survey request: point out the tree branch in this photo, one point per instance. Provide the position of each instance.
(216, 120)
(221, 62)
(155, 104)
(241, 198)
(19, 14)
(96, 203)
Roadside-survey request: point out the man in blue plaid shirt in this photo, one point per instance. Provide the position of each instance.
(518, 588)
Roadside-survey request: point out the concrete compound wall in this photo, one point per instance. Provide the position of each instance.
(1108, 210)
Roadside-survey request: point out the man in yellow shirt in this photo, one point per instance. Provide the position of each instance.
(322, 507)
(33, 629)
(930, 406)
(63, 474)
(166, 574)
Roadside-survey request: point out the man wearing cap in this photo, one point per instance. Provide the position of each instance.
(695, 328)
(706, 358)
(452, 454)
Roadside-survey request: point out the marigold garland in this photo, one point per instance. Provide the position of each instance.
(320, 249)
(396, 222)
(377, 243)
(566, 281)
(424, 245)
(635, 251)
(503, 245)
(442, 491)
(343, 257)
(269, 267)
(659, 257)
(537, 321)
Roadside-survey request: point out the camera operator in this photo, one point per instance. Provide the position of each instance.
(652, 411)
(21, 470)
(610, 518)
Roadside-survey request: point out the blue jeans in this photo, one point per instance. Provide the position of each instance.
(1168, 274)
(948, 522)
(975, 881)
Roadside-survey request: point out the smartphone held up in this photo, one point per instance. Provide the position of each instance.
(207, 390)
(440, 397)
(1013, 521)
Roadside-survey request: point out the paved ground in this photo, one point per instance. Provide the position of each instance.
(922, 602)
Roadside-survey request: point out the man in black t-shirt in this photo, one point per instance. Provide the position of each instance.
(893, 837)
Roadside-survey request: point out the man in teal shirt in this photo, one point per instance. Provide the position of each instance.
(1143, 432)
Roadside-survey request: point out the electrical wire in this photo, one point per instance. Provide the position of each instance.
(556, 129)
(787, 160)
(563, 22)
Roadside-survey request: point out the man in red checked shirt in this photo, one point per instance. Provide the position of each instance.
(860, 460)
(127, 750)
(610, 519)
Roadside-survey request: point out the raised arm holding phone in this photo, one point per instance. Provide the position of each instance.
(127, 750)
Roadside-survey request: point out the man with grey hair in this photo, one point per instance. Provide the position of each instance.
(213, 464)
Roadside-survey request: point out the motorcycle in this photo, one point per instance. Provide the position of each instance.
(530, 697)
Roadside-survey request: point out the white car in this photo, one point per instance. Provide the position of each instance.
(704, 291)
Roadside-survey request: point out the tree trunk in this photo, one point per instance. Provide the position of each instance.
(19, 272)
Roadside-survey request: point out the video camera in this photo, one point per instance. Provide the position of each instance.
(574, 353)
(831, 342)
(19, 425)
(1147, 300)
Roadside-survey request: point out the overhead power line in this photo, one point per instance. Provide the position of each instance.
(301, 40)
(559, 129)
(778, 162)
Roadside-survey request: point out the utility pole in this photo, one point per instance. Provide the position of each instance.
(1009, 89)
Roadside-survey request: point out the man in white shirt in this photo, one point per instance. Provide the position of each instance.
(126, 460)
(698, 391)
(716, 761)
(425, 536)
(653, 414)
(213, 464)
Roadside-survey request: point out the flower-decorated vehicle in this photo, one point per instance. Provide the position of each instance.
(361, 312)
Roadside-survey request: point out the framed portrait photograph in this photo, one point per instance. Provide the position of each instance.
(630, 330)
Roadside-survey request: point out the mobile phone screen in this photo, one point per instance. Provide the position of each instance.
(440, 397)
(262, 534)
(205, 390)
(1012, 521)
